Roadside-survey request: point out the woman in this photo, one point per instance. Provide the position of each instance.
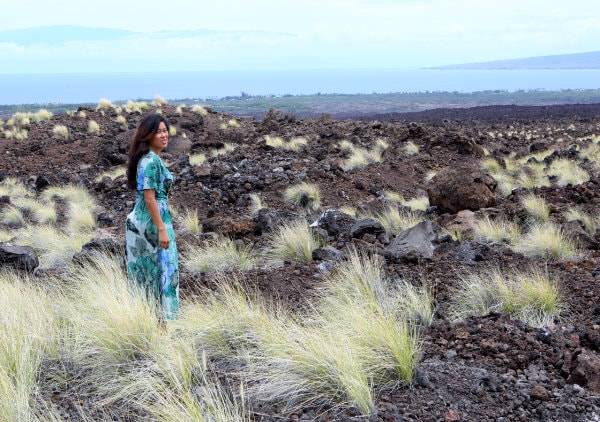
(152, 262)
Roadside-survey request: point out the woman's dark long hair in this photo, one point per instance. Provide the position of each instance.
(139, 145)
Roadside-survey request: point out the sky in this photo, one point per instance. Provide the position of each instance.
(278, 34)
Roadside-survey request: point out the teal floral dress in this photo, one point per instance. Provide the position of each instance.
(153, 270)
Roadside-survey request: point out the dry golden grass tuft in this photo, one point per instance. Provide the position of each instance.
(536, 207)
(197, 159)
(293, 241)
(256, 203)
(531, 296)
(220, 254)
(159, 101)
(190, 221)
(198, 109)
(306, 195)
(497, 230)
(93, 127)
(393, 219)
(547, 241)
(568, 172)
(104, 104)
(61, 131)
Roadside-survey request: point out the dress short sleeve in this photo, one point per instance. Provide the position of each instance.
(148, 173)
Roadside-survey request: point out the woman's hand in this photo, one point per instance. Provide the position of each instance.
(163, 239)
(163, 236)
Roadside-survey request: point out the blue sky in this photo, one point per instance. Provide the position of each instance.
(307, 34)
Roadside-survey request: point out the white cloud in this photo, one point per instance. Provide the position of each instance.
(323, 33)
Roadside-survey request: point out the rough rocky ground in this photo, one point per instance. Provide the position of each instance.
(485, 368)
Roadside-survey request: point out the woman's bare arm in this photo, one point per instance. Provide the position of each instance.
(150, 199)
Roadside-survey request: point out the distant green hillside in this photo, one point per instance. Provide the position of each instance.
(590, 60)
(355, 104)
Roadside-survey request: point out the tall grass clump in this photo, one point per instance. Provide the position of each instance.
(497, 230)
(13, 188)
(12, 216)
(135, 106)
(358, 159)
(218, 255)
(40, 210)
(80, 218)
(191, 222)
(233, 320)
(411, 148)
(310, 366)
(61, 131)
(226, 149)
(293, 144)
(533, 175)
(591, 152)
(71, 194)
(294, 240)
(341, 356)
(416, 303)
(256, 203)
(536, 207)
(112, 174)
(198, 109)
(159, 101)
(394, 197)
(42, 115)
(393, 219)
(93, 127)
(28, 334)
(492, 166)
(55, 247)
(121, 121)
(16, 133)
(546, 241)
(348, 209)
(178, 386)
(110, 325)
(420, 203)
(104, 105)
(362, 157)
(568, 172)
(21, 119)
(197, 159)
(5, 235)
(506, 183)
(306, 195)
(589, 221)
(531, 296)
(380, 146)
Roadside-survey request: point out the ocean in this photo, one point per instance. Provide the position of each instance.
(90, 87)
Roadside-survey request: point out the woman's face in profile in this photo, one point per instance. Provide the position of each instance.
(160, 140)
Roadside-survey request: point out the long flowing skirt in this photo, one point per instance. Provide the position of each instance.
(153, 270)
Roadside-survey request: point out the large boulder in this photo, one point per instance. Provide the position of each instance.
(415, 243)
(96, 248)
(585, 370)
(18, 257)
(269, 221)
(335, 225)
(462, 187)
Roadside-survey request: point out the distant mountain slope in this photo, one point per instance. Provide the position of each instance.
(590, 60)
